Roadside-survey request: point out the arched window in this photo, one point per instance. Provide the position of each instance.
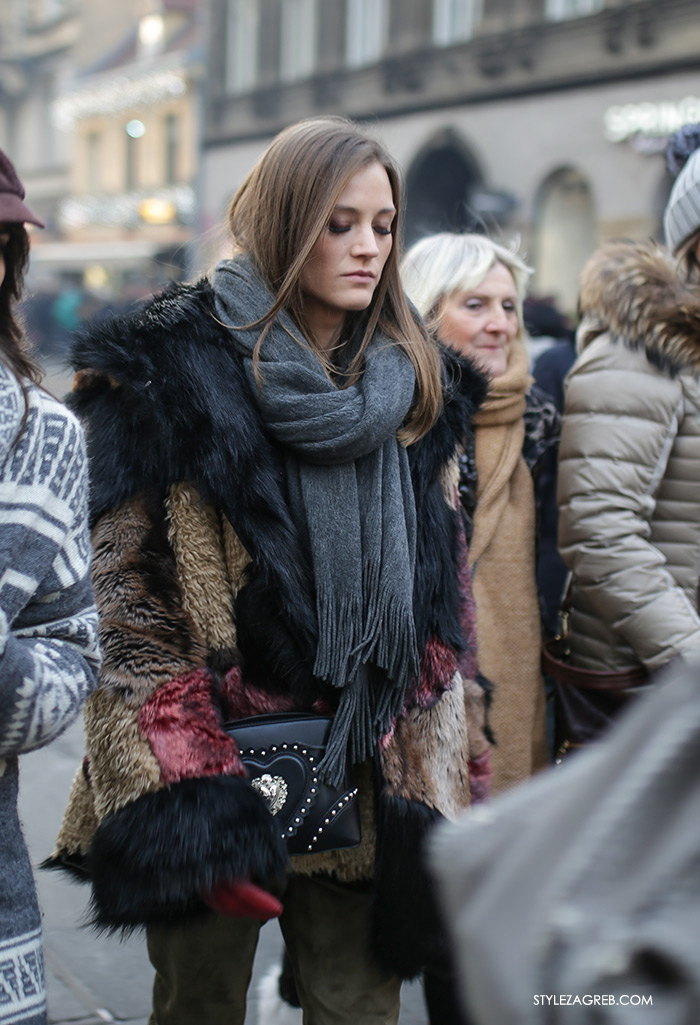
(440, 185)
(565, 235)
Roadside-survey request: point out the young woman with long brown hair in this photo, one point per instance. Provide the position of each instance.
(275, 531)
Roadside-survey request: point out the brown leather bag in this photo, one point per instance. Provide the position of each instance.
(586, 701)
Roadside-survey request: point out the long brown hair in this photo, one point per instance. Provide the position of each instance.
(13, 348)
(278, 215)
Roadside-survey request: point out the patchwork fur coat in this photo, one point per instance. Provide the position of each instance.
(202, 583)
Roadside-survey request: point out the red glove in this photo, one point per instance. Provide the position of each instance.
(243, 899)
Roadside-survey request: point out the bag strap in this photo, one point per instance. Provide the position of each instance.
(555, 655)
(553, 664)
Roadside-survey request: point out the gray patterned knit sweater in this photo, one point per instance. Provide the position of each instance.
(48, 647)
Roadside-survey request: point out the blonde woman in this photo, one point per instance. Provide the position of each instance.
(269, 449)
(470, 291)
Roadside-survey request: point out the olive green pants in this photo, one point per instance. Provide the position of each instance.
(203, 969)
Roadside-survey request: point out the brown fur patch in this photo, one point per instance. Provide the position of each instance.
(86, 379)
(634, 290)
(122, 765)
(79, 819)
(147, 638)
(352, 863)
(427, 757)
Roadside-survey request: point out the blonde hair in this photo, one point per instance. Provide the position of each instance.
(278, 215)
(440, 265)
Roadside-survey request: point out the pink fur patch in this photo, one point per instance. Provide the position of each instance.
(468, 660)
(480, 775)
(388, 737)
(438, 666)
(241, 699)
(184, 727)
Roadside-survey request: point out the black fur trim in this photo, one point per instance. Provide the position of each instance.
(74, 865)
(487, 688)
(408, 933)
(165, 399)
(150, 860)
(436, 595)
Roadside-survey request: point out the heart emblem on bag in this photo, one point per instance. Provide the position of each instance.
(273, 789)
(281, 754)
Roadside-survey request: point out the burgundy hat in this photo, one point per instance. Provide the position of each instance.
(13, 209)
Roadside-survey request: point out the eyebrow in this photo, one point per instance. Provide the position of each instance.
(354, 210)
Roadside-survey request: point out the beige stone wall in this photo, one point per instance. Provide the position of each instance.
(151, 147)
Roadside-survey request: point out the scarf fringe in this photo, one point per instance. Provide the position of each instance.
(350, 636)
(354, 641)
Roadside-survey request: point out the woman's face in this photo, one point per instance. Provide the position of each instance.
(347, 261)
(482, 323)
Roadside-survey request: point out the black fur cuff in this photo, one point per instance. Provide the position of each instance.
(150, 860)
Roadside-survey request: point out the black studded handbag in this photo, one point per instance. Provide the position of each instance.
(281, 754)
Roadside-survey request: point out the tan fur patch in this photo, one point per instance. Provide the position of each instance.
(427, 759)
(79, 819)
(352, 863)
(237, 558)
(122, 765)
(475, 707)
(196, 537)
(449, 479)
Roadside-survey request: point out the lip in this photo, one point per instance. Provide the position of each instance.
(360, 275)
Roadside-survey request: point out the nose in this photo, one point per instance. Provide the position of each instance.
(365, 243)
(498, 321)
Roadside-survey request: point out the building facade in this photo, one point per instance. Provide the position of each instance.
(541, 119)
(37, 42)
(100, 108)
(132, 111)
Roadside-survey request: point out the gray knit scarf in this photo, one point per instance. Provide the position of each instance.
(350, 495)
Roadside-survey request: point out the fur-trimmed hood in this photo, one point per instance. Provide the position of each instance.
(634, 291)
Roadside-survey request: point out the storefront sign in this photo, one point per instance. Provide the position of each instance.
(653, 120)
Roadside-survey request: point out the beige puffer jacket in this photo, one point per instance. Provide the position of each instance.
(629, 478)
